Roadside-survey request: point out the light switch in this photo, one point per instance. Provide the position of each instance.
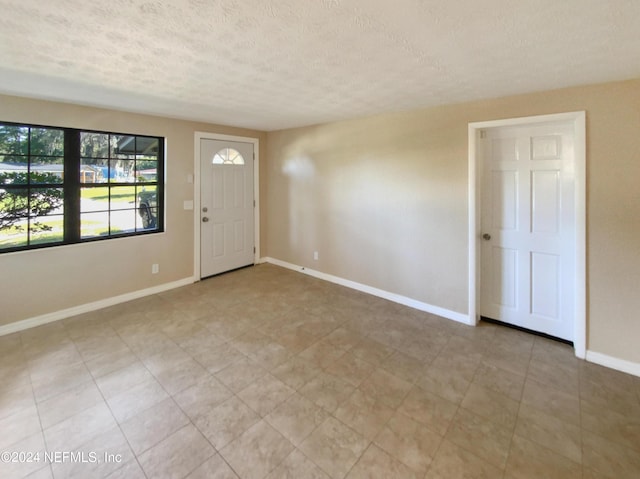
(188, 204)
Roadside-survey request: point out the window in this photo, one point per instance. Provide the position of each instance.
(64, 186)
(228, 156)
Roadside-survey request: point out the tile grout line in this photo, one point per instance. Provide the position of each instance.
(136, 456)
(515, 426)
(234, 394)
(458, 407)
(114, 418)
(582, 445)
(35, 403)
(531, 369)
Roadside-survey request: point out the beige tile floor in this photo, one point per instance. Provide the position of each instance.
(267, 373)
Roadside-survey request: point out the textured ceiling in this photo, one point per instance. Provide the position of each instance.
(271, 64)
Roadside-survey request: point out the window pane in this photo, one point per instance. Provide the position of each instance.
(94, 145)
(228, 156)
(94, 170)
(123, 147)
(122, 171)
(14, 140)
(94, 224)
(147, 207)
(147, 219)
(48, 169)
(46, 229)
(147, 147)
(94, 199)
(13, 237)
(13, 170)
(47, 142)
(123, 221)
(14, 211)
(123, 197)
(46, 201)
(146, 170)
(148, 194)
(14, 204)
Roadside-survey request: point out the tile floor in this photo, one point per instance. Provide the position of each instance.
(267, 373)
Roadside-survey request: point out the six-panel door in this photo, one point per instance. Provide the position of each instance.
(528, 222)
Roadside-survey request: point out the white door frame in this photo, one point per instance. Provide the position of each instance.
(201, 135)
(475, 220)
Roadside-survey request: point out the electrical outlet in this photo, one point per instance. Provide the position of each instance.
(155, 268)
(315, 255)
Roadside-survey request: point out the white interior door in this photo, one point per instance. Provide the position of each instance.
(227, 206)
(529, 227)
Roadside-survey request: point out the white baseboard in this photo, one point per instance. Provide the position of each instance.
(618, 364)
(396, 298)
(88, 307)
(623, 365)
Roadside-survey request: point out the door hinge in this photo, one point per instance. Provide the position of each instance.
(254, 250)
(483, 134)
(254, 203)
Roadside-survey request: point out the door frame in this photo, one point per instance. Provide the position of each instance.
(197, 183)
(578, 119)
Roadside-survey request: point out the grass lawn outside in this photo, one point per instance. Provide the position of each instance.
(99, 210)
(16, 237)
(118, 194)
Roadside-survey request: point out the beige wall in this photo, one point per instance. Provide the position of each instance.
(384, 202)
(37, 282)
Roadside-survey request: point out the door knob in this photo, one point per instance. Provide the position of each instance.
(486, 236)
(205, 219)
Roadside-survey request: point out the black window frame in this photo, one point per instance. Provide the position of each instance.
(72, 187)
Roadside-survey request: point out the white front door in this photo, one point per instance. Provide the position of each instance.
(227, 206)
(529, 227)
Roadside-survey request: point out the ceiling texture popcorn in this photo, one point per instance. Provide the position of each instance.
(279, 64)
